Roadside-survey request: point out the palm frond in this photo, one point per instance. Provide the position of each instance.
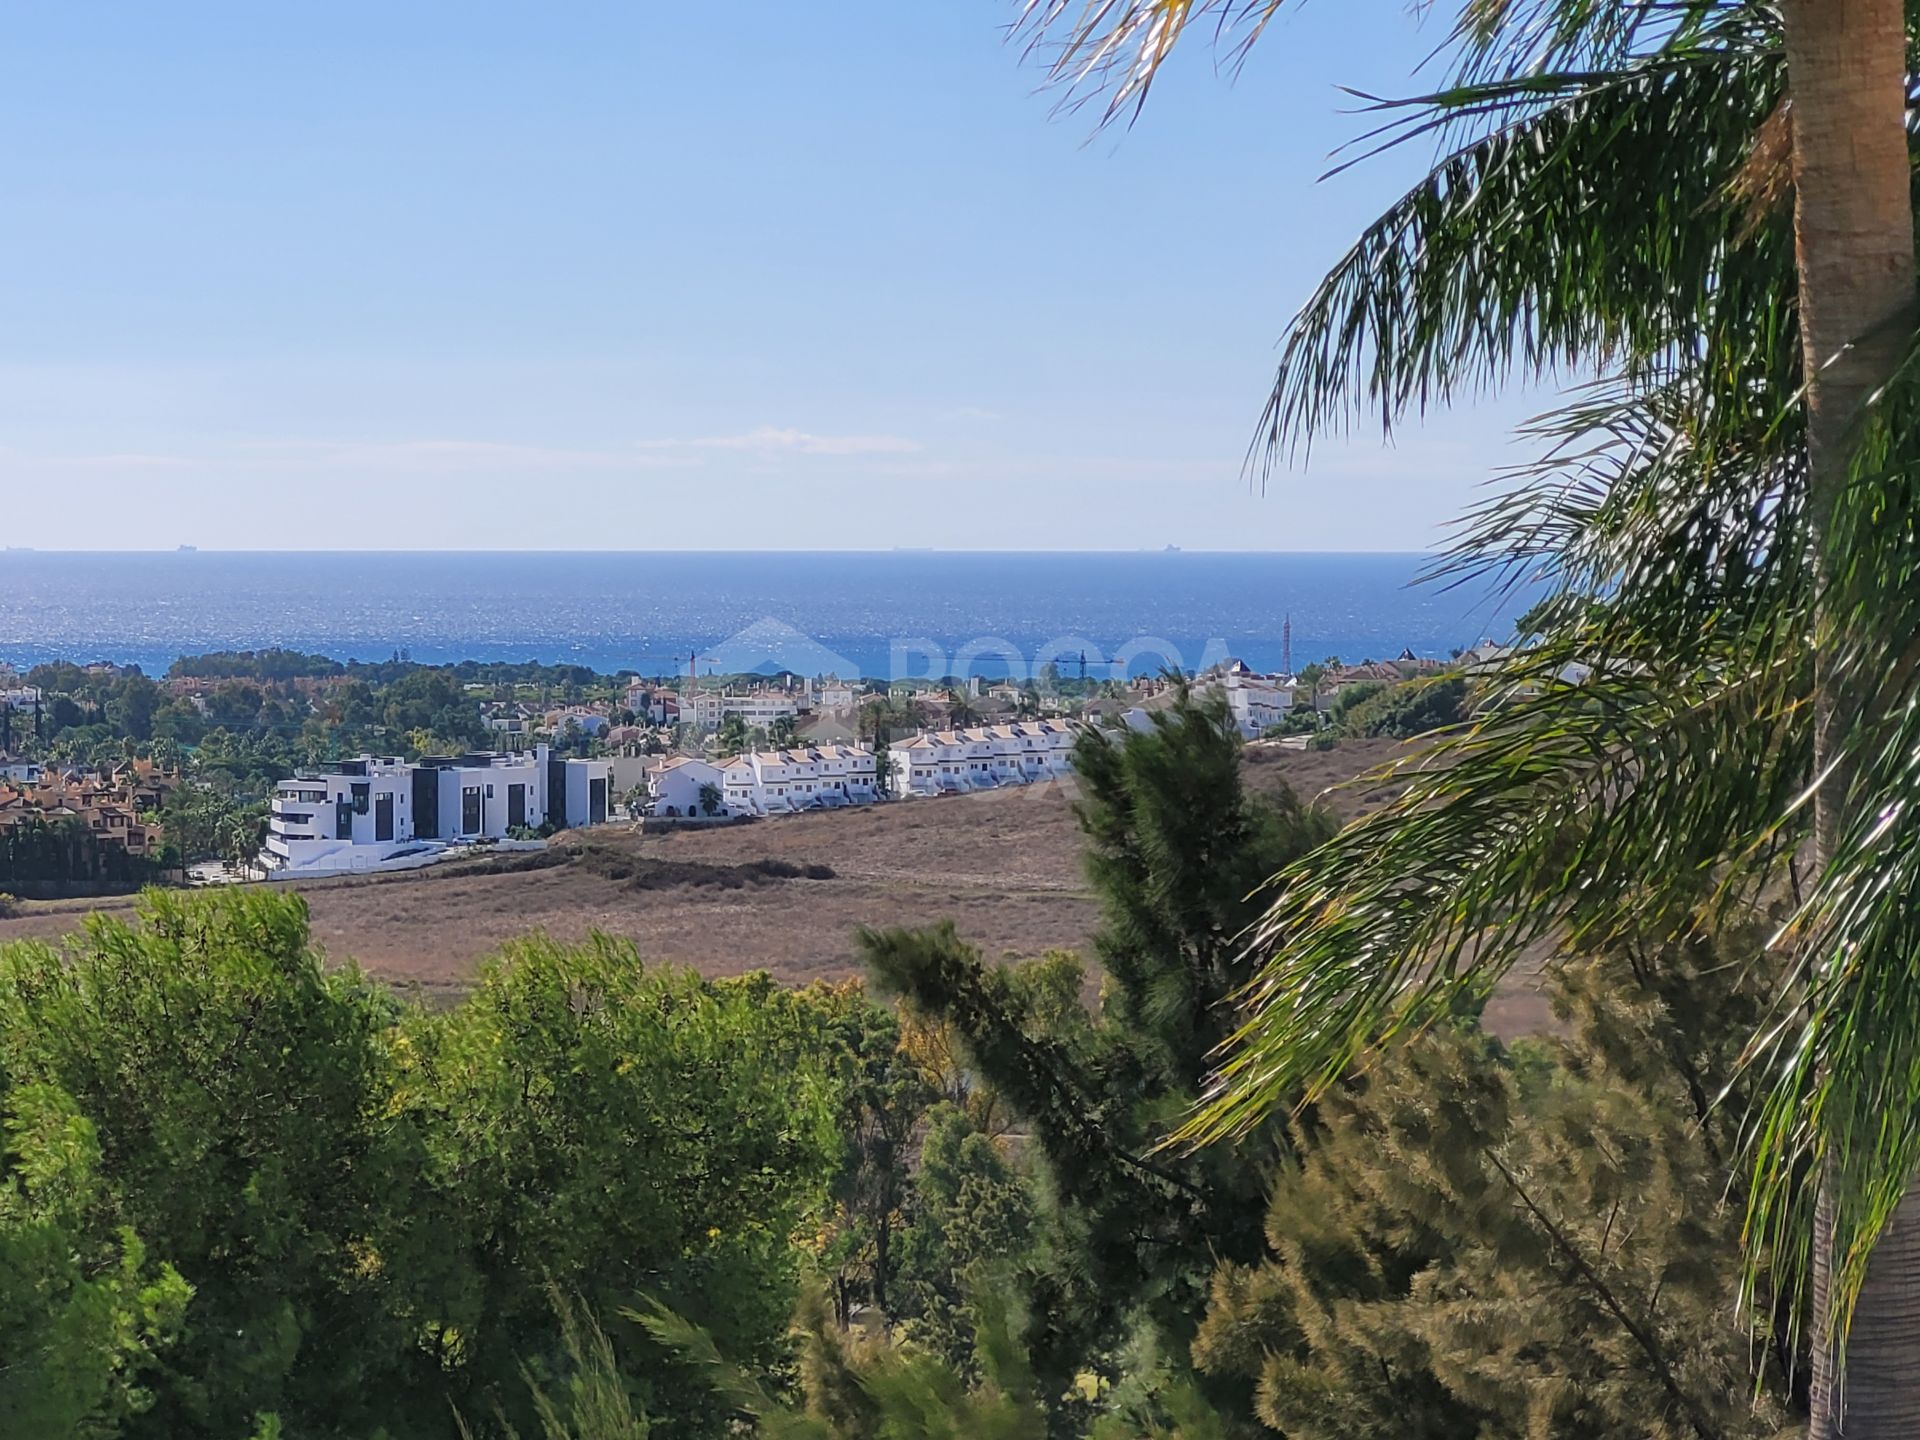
(1594, 223)
(1114, 49)
(1590, 795)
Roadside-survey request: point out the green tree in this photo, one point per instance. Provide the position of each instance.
(230, 1082)
(1484, 1242)
(84, 1315)
(884, 1096)
(133, 704)
(1399, 712)
(974, 1222)
(1175, 846)
(587, 1122)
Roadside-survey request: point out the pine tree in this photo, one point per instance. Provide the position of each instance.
(1176, 848)
(1534, 1242)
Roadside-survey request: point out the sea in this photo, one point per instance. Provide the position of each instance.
(892, 614)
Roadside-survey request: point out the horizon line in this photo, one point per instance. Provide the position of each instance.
(689, 550)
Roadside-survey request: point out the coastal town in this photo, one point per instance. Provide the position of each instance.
(98, 763)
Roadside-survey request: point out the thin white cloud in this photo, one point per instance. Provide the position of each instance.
(448, 455)
(12, 461)
(777, 440)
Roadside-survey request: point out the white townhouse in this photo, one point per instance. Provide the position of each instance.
(811, 777)
(674, 786)
(377, 812)
(986, 757)
(1256, 702)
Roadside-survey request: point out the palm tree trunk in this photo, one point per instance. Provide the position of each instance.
(1853, 228)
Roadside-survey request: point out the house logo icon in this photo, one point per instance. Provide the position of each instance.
(771, 645)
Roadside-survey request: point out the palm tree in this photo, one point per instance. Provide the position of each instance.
(960, 711)
(1728, 525)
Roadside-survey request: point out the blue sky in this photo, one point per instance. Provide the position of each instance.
(640, 276)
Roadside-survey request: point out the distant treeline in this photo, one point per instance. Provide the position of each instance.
(278, 663)
(272, 664)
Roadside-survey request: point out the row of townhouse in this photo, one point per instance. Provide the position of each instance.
(764, 782)
(1256, 701)
(377, 812)
(983, 758)
(121, 808)
(813, 777)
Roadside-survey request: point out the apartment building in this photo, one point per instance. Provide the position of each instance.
(708, 708)
(985, 757)
(376, 812)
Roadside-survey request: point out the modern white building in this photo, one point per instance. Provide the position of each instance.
(986, 757)
(376, 812)
(812, 777)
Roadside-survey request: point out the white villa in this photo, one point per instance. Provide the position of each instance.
(587, 722)
(378, 813)
(813, 777)
(674, 785)
(984, 758)
(833, 693)
(1256, 701)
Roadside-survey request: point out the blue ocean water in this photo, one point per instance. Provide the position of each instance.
(873, 613)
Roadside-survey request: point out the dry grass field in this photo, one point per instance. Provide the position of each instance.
(1004, 866)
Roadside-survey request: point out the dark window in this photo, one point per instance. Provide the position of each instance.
(516, 806)
(426, 803)
(597, 802)
(470, 810)
(343, 819)
(360, 794)
(383, 817)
